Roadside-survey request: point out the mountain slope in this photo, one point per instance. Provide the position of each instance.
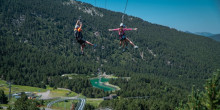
(37, 46)
(46, 31)
(37, 42)
(206, 34)
(216, 37)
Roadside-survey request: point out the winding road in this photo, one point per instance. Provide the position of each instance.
(80, 105)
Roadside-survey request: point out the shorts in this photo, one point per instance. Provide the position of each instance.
(81, 41)
(79, 38)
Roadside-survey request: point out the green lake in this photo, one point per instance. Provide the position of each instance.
(95, 83)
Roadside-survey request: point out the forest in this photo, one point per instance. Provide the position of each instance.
(196, 100)
(37, 46)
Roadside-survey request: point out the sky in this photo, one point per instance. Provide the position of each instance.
(183, 15)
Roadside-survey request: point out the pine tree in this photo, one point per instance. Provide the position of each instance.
(212, 94)
(3, 98)
(9, 108)
(209, 100)
(194, 101)
(24, 104)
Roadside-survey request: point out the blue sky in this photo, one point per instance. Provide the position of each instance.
(184, 15)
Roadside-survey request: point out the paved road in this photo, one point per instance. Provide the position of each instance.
(82, 104)
(94, 99)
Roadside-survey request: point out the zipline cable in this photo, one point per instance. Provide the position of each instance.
(126, 6)
(122, 18)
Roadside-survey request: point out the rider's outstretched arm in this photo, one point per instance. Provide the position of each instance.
(77, 22)
(129, 29)
(80, 25)
(113, 29)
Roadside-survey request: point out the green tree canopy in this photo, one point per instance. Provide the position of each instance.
(3, 98)
(24, 103)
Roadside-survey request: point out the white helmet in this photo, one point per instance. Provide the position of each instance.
(121, 24)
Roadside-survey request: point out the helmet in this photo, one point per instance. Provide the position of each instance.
(121, 25)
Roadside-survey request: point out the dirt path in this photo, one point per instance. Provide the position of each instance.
(44, 95)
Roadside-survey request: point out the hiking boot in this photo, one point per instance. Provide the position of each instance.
(135, 46)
